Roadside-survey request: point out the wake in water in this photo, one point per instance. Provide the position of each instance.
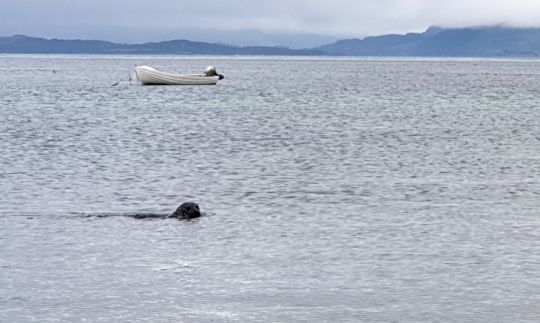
(186, 210)
(138, 216)
(132, 215)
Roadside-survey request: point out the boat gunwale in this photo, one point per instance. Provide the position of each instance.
(147, 75)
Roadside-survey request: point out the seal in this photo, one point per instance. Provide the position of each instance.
(187, 210)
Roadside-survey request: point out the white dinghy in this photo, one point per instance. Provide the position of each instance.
(147, 75)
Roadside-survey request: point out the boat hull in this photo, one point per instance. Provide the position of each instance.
(147, 75)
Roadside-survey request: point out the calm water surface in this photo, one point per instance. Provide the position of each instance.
(335, 190)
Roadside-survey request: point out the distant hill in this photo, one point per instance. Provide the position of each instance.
(467, 42)
(20, 44)
(454, 42)
(242, 37)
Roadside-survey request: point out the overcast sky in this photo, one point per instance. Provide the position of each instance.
(130, 20)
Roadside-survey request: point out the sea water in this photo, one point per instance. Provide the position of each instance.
(336, 190)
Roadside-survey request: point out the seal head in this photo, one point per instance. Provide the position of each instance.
(187, 210)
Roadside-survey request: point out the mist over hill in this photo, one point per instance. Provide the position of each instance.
(495, 41)
(455, 42)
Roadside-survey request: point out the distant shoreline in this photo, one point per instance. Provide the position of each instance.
(276, 57)
(484, 42)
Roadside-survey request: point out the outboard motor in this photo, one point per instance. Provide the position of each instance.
(211, 71)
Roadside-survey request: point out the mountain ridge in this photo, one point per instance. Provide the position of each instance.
(22, 44)
(494, 41)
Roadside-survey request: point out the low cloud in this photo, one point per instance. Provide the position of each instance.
(349, 18)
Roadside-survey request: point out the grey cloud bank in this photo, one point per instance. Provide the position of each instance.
(138, 20)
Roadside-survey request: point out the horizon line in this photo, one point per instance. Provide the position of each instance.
(498, 25)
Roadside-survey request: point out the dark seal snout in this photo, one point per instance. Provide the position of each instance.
(187, 210)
